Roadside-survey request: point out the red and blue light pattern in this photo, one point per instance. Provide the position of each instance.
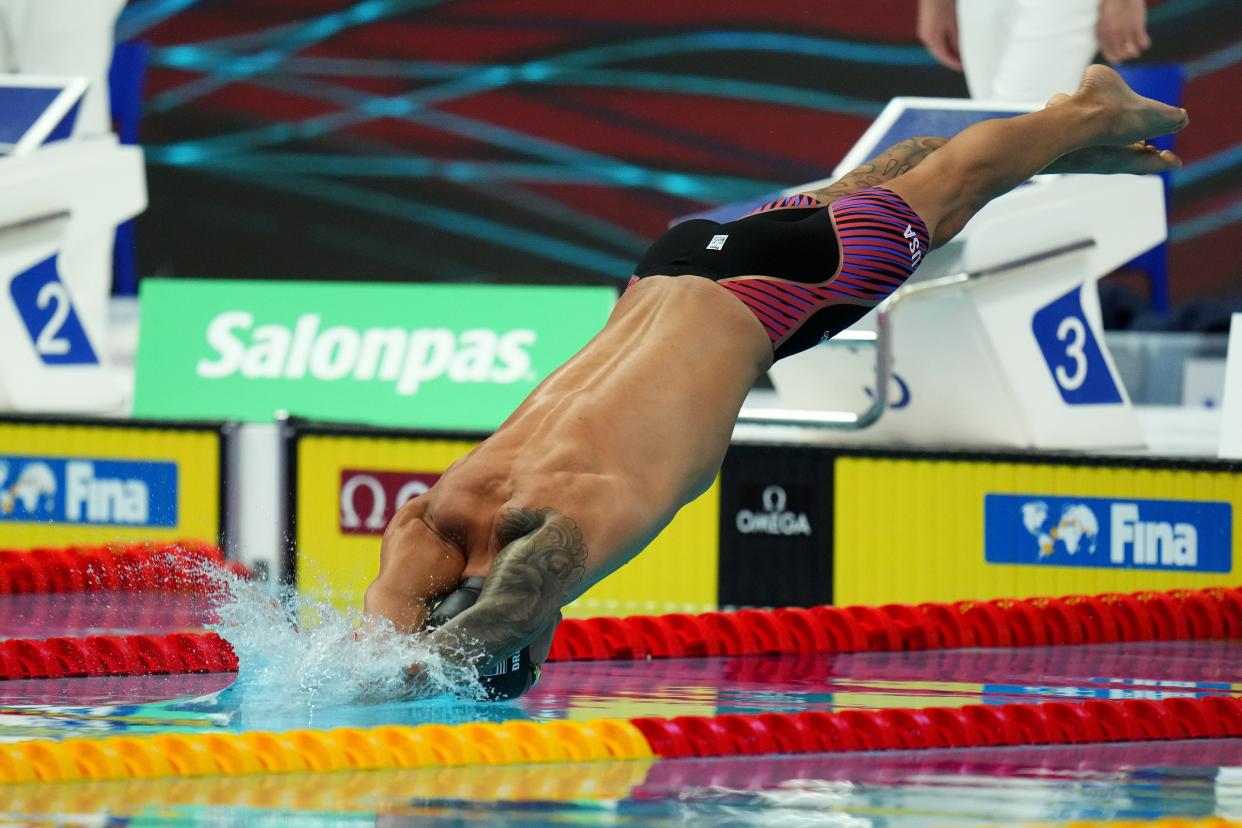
(456, 140)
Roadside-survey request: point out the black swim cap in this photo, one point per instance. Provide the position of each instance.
(515, 674)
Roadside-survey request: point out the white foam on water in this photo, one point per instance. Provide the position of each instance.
(295, 650)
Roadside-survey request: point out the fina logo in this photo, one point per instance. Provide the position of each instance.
(774, 519)
(1047, 530)
(1131, 540)
(34, 488)
(1076, 530)
(101, 492)
(1151, 542)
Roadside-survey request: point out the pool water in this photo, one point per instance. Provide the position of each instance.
(302, 666)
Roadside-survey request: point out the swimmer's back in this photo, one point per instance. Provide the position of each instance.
(673, 347)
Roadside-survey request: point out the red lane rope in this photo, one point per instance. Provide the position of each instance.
(1212, 613)
(1048, 723)
(115, 655)
(137, 567)
(78, 614)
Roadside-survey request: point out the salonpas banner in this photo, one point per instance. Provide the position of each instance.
(416, 356)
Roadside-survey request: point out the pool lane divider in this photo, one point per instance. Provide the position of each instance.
(361, 792)
(525, 742)
(1165, 822)
(116, 655)
(974, 725)
(179, 566)
(1203, 614)
(392, 746)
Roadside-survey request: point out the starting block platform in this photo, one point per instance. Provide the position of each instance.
(61, 197)
(37, 111)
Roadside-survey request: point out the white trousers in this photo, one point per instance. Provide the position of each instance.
(1025, 50)
(63, 37)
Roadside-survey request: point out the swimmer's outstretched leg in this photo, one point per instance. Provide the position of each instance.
(990, 158)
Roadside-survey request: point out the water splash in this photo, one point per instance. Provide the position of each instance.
(297, 650)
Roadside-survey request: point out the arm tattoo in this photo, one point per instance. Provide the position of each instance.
(894, 161)
(543, 558)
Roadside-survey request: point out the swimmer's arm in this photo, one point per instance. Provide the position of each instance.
(523, 594)
(894, 161)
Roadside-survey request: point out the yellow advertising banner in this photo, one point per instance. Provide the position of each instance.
(66, 483)
(348, 487)
(913, 529)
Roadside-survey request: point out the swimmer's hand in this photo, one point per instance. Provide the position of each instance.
(521, 599)
(418, 684)
(419, 681)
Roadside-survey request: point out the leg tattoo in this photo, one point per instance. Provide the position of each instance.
(894, 161)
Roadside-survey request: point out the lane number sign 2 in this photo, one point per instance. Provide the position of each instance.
(46, 309)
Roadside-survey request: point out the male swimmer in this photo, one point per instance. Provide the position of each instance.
(604, 452)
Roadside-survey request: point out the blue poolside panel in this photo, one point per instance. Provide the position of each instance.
(20, 107)
(940, 122)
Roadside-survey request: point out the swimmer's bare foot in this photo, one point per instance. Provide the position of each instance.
(1137, 159)
(1128, 116)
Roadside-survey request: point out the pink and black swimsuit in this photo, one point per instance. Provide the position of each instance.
(806, 270)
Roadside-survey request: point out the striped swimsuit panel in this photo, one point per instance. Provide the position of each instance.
(805, 270)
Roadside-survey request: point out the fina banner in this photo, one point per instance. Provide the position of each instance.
(921, 526)
(1041, 530)
(348, 484)
(66, 482)
(455, 357)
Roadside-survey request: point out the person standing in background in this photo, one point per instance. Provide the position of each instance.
(1027, 50)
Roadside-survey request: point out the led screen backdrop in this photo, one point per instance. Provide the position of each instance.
(511, 140)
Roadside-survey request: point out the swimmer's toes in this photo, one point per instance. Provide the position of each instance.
(1133, 116)
(1138, 158)
(1145, 159)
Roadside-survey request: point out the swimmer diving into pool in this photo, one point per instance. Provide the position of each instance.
(603, 453)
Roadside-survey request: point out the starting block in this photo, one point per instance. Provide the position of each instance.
(61, 198)
(997, 340)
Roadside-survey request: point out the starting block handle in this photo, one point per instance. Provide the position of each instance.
(881, 341)
(33, 221)
(839, 420)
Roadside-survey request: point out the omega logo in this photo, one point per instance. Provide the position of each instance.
(774, 519)
(386, 493)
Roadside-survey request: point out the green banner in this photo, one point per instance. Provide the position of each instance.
(409, 355)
